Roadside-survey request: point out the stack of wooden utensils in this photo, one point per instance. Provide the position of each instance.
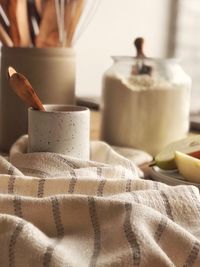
(43, 23)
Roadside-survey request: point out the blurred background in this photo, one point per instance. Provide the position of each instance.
(170, 29)
(112, 31)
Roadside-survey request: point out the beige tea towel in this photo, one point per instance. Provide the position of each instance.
(60, 211)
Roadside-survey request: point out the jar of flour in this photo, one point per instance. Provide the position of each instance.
(145, 103)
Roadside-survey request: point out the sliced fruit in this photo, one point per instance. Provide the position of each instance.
(190, 145)
(195, 154)
(189, 167)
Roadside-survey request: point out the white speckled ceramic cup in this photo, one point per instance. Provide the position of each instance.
(61, 129)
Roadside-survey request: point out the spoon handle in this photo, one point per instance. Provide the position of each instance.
(24, 90)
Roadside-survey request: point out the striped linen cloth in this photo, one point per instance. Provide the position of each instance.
(60, 211)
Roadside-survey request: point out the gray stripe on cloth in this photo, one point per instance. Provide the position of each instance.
(128, 185)
(65, 161)
(48, 256)
(17, 205)
(12, 243)
(135, 197)
(131, 237)
(40, 192)
(11, 169)
(167, 205)
(57, 216)
(101, 188)
(72, 182)
(99, 172)
(97, 232)
(192, 257)
(11, 184)
(160, 229)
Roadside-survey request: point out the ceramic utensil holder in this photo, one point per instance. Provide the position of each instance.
(51, 71)
(61, 129)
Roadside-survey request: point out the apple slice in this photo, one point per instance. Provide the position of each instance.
(190, 145)
(188, 166)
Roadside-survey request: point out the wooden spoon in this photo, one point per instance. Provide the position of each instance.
(33, 20)
(39, 4)
(14, 31)
(79, 6)
(139, 44)
(22, 23)
(48, 24)
(140, 68)
(9, 8)
(24, 90)
(4, 37)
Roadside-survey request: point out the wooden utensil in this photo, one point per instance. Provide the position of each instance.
(22, 23)
(4, 20)
(48, 24)
(5, 38)
(140, 68)
(68, 13)
(24, 90)
(39, 4)
(4, 4)
(60, 15)
(139, 44)
(10, 9)
(33, 20)
(79, 6)
(14, 31)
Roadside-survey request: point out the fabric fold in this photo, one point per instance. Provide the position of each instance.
(61, 211)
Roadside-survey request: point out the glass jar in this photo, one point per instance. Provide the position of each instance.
(147, 110)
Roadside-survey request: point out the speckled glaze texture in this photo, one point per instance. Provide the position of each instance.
(61, 129)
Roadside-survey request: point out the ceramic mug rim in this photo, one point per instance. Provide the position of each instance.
(59, 108)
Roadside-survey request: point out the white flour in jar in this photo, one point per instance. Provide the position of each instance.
(144, 112)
